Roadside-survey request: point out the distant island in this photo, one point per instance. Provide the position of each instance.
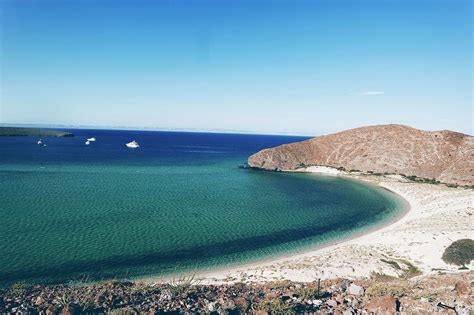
(428, 156)
(38, 132)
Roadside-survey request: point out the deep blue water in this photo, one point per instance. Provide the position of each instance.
(156, 146)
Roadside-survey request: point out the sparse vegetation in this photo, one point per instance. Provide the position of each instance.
(433, 181)
(122, 311)
(382, 277)
(87, 300)
(381, 289)
(308, 293)
(412, 270)
(460, 252)
(19, 288)
(182, 285)
(83, 281)
(141, 288)
(392, 263)
(409, 270)
(64, 298)
(277, 284)
(276, 306)
(422, 180)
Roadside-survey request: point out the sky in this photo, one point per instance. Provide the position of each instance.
(281, 66)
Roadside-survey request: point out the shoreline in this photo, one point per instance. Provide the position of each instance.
(410, 245)
(222, 274)
(208, 276)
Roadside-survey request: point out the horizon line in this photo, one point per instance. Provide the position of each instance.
(135, 128)
(322, 132)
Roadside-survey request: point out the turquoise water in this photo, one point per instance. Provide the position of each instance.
(178, 203)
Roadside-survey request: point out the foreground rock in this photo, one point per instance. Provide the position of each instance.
(444, 156)
(380, 294)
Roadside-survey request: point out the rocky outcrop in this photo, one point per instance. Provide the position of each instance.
(445, 156)
(383, 295)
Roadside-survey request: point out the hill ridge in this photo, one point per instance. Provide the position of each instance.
(446, 156)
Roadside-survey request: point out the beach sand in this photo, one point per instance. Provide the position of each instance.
(413, 245)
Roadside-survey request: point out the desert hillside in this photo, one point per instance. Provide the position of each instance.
(445, 156)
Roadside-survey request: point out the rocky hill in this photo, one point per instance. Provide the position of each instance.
(445, 156)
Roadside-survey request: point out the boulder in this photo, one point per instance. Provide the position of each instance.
(384, 303)
(462, 288)
(317, 302)
(331, 303)
(349, 311)
(39, 300)
(355, 289)
(242, 304)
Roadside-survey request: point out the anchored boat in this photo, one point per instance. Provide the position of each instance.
(132, 145)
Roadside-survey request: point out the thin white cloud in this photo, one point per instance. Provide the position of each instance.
(373, 93)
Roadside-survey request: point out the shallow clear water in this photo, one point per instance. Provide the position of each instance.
(180, 202)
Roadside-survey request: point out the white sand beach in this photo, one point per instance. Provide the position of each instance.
(438, 216)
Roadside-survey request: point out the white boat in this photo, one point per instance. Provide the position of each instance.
(91, 139)
(40, 142)
(88, 142)
(132, 145)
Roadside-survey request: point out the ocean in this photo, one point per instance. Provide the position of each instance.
(180, 203)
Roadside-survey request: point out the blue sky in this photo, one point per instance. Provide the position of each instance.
(307, 67)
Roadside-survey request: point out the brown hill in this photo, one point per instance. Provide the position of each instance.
(445, 155)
